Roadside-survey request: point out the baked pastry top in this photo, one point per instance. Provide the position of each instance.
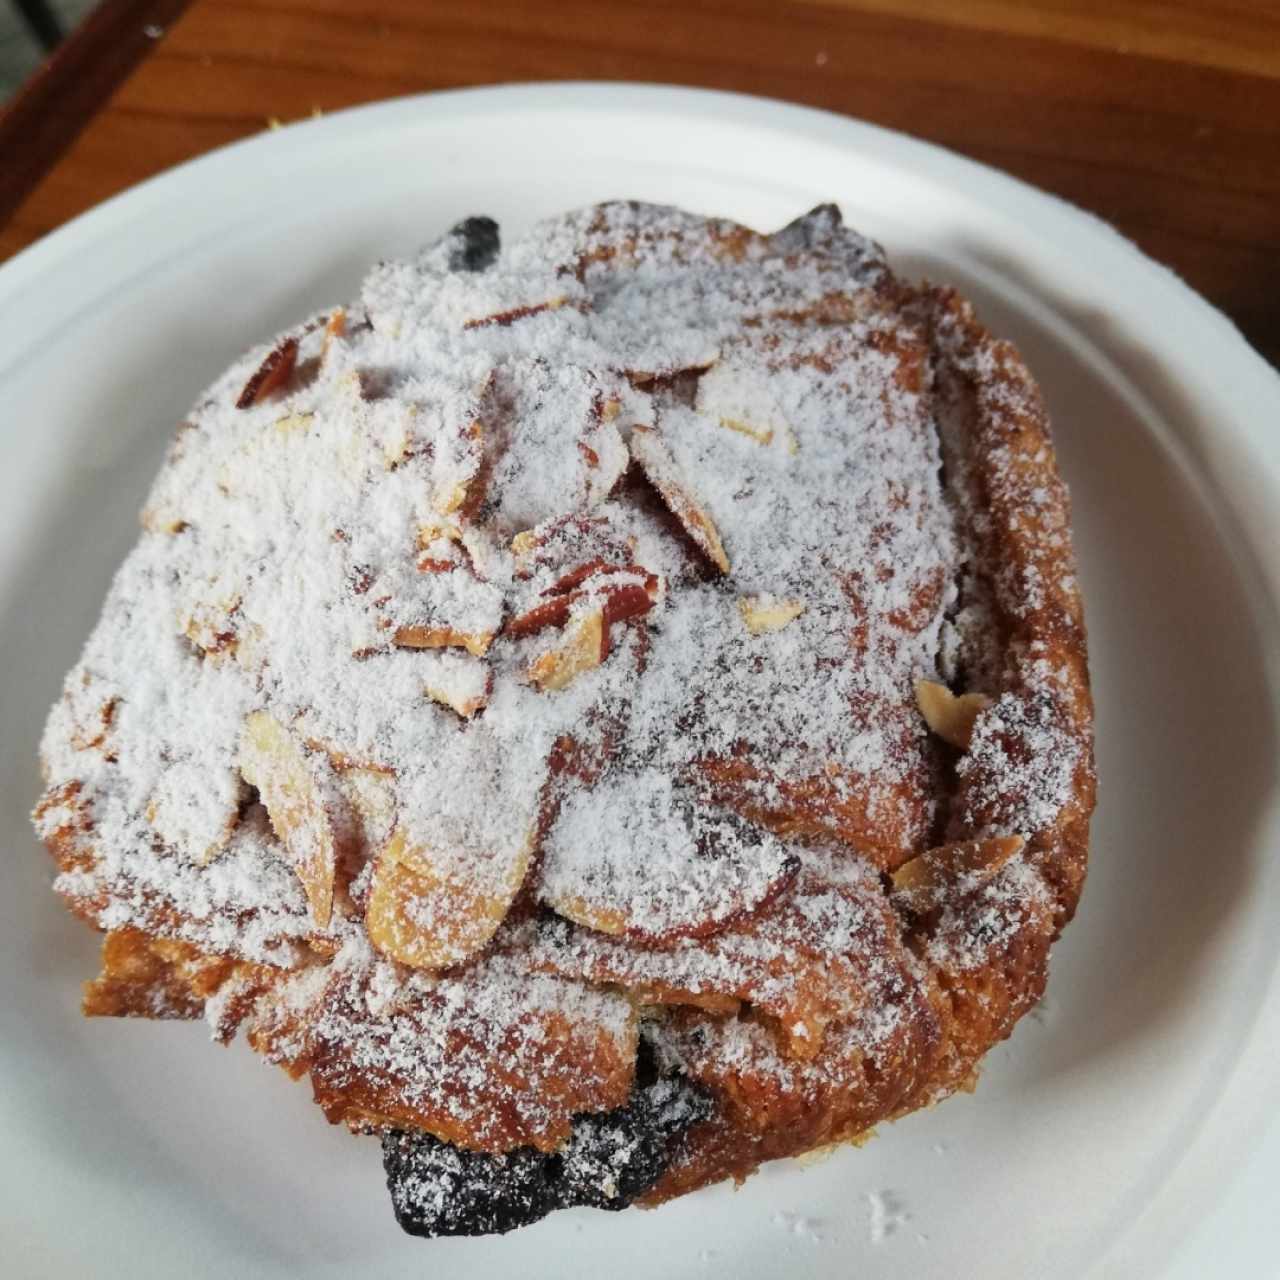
(611, 709)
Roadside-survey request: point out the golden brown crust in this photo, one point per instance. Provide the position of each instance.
(999, 442)
(1003, 435)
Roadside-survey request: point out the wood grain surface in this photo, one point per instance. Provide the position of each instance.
(1162, 116)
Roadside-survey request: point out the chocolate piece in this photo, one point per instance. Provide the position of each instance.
(438, 1189)
(475, 244)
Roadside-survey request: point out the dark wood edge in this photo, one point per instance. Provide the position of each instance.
(49, 111)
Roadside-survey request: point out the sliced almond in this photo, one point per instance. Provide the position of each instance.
(658, 994)
(935, 868)
(765, 614)
(465, 707)
(180, 824)
(476, 643)
(380, 431)
(451, 499)
(602, 453)
(427, 915)
(250, 650)
(277, 763)
(525, 544)
(549, 613)
(465, 704)
(441, 558)
(593, 915)
(630, 600)
(372, 795)
(294, 422)
(271, 374)
(581, 648)
(586, 600)
(460, 471)
(660, 468)
(92, 733)
(350, 389)
(743, 399)
(598, 867)
(761, 435)
(950, 716)
(370, 803)
(211, 628)
(437, 531)
(578, 540)
(395, 425)
(501, 319)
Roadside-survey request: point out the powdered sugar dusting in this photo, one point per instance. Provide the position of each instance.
(886, 1215)
(423, 1046)
(484, 556)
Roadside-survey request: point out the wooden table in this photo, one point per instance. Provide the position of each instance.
(1161, 116)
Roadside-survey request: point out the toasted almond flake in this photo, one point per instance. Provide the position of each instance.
(250, 648)
(654, 996)
(396, 443)
(950, 717)
(934, 868)
(744, 400)
(524, 544)
(593, 916)
(171, 825)
(549, 613)
(465, 707)
(438, 564)
(452, 500)
(94, 734)
(275, 762)
(476, 643)
(294, 422)
(510, 316)
(764, 614)
(581, 649)
(272, 374)
(658, 465)
(211, 628)
(405, 919)
(344, 761)
(459, 472)
(371, 793)
(762, 435)
(437, 531)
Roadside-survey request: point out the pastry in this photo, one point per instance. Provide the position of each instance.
(611, 710)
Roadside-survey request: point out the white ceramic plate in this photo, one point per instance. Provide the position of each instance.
(1104, 1137)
